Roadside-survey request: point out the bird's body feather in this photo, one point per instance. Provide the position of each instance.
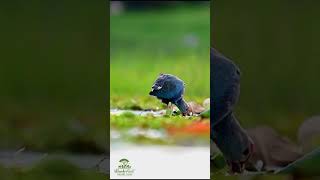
(169, 88)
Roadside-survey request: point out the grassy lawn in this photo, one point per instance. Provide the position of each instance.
(145, 44)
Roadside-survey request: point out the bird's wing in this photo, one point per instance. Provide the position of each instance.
(160, 81)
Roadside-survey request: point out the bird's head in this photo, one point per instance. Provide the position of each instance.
(154, 88)
(151, 93)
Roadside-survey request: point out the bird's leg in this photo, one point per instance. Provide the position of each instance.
(169, 108)
(189, 110)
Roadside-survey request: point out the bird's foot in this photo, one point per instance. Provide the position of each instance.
(240, 166)
(236, 167)
(189, 111)
(169, 109)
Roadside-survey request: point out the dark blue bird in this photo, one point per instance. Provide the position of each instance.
(169, 89)
(226, 132)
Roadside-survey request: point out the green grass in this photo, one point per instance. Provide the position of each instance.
(145, 44)
(129, 120)
(164, 125)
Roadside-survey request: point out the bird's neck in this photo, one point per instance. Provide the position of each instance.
(182, 105)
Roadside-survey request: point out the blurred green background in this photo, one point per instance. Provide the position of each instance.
(53, 79)
(149, 38)
(52, 75)
(276, 45)
(173, 39)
